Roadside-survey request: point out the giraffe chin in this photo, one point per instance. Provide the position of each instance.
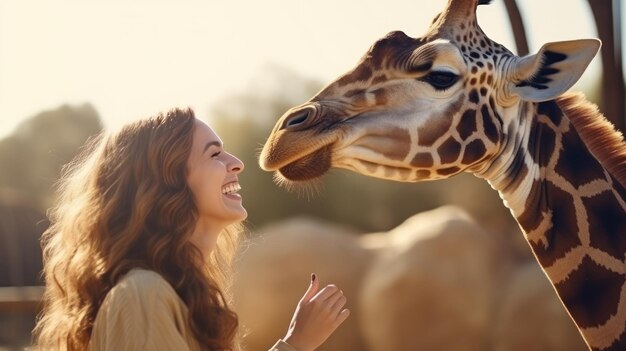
(309, 167)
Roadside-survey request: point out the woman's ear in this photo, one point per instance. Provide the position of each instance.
(553, 70)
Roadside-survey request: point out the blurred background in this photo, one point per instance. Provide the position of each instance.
(70, 68)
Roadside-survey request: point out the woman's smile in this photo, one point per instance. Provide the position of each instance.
(230, 190)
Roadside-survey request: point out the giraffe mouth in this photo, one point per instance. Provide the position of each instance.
(309, 167)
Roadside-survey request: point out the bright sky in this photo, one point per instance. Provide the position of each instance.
(131, 59)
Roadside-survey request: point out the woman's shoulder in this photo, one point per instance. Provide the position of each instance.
(141, 312)
(143, 286)
(140, 276)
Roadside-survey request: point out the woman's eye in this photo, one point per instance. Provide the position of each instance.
(441, 80)
(216, 154)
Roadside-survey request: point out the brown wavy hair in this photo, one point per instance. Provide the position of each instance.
(124, 203)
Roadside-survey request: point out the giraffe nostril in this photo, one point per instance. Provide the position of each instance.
(297, 119)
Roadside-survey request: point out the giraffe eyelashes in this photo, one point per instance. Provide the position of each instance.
(440, 80)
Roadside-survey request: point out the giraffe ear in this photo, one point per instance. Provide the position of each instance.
(554, 69)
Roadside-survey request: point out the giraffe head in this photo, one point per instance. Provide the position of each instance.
(422, 108)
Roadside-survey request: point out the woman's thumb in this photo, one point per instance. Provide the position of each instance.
(312, 290)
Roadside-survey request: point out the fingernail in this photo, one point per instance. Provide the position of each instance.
(313, 277)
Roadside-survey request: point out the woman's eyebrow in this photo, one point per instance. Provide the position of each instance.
(211, 143)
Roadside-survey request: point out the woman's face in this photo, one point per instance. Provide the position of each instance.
(212, 178)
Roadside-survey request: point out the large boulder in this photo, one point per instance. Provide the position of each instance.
(434, 285)
(436, 282)
(532, 317)
(273, 272)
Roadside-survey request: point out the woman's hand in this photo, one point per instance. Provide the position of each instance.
(317, 316)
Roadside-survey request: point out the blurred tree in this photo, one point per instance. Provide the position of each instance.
(31, 158)
(244, 121)
(517, 27)
(20, 256)
(607, 15)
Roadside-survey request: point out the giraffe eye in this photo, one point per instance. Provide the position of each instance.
(441, 80)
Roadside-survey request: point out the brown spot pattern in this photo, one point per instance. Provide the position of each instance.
(361, 73)
(438, 125)
(353, 92)
(551, 110)
(433, 130)
(473, 96)
(379, 79)
(591, 293)
(474, 151)
(381, 96)
(423, 160)
(607, 224)
(573, 155)
(563, 235)
(467, 124)
(448, 171)
(449, 151)
(532, 216)
(618, 345)
(397, 150)
(488, 126)
(422, 174)
(541, 143)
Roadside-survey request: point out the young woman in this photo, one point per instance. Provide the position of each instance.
(138, 252)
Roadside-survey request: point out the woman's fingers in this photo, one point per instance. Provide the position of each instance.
(312, 290)
(338, 303)
(327, 292)
(331, 299)
(343, 315)
(318, 314)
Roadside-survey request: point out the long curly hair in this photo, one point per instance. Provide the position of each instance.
(124, 203)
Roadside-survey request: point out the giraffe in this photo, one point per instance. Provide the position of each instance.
(452, 101)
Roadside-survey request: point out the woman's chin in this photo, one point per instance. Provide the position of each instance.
(239, 214)
(243, 215)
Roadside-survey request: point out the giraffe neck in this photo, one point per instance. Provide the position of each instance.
(572, 211)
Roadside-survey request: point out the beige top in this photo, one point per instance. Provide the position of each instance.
(143, 312)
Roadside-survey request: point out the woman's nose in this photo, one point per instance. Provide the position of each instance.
(236, 165)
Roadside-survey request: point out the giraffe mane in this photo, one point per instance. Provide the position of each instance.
(600, 136)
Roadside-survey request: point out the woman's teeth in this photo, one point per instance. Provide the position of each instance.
(231, 189)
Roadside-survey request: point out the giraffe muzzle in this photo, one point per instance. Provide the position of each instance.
(309, 167)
